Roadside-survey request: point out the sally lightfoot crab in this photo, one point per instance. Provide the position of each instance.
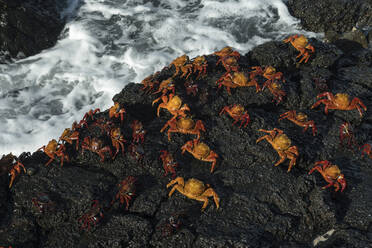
(282, 144)
(299, 119)
(138, 131)
(184, 125)
(126, 191)
(238, 113)
(340, 101)
(234, 80)
(331, 173)
(173, 104)
(10, 164)
(194, 189)
(97, 146)
(92, 217)
(54, 149)
(347, 134)
(302, 45)
(200, 151)
(116, 111)
(169, 164)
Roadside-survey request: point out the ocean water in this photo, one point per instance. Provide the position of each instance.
(109, 43)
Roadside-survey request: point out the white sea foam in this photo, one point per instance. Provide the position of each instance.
(111, 43)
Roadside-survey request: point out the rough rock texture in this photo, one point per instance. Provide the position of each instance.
(332, 15)
(29, 26)
(261, 205)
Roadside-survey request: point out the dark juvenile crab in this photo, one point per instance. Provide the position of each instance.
(88, 114)
(10, 164)
(43, 203)
(92, 217)
(137, 152)
(347, 134)
(191, 87)
(172, 224)
(127, 189)
(117, 140)
(138, 131)
(97, 146)
(169, 164)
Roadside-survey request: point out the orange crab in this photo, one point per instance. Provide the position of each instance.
(200, 151)
(169, 164)
(165, 86)
(54, 149)
(150, 82)
(282, 144)
(116, 111)
(276, 90)
(182, 63)
(138, 131)
(117, 140)
(96, 145)
(127, 190)
(269, 73)
(331, 173)
(302, 45)
(237, 79)
(173, 104)
(10, 164)
(238, 113)
(194, 189)
(200, 64)
(340, 101)
(229, 58)
(69, 135)
(299, 119)
(184, 125)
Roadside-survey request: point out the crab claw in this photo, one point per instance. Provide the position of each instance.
(342, 181)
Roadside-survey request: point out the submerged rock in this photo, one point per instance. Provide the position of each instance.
(260, 205)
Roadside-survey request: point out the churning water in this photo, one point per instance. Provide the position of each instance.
(110, 43)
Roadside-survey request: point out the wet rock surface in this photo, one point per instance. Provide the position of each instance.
(260, 205)
(29, 26)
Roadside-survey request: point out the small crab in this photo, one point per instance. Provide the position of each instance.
(184, 125)
(97, 146)
(282, 144)
(200, 151)
(90, 114)
(299, 119)
(347, 133)
(366, 149)
(117, 140)
(276, 91)
(321, 84)
(126, 191)
(191, 87)
(54, 149)
(331, 173)
(194, 189)
(237, 79)
(92, 217)
(228, 57)
(70, 135)
(269, 73)
(150, 82)
(173, 104)
(302, 45)
(138, 131)
(137, 152)
(169, 164)
(165, 86)
(172, 224)
(116, 111)
(200, 64)
(182, 63)
(10, 164)
(238, 113)
(340, 101)
(43, 203)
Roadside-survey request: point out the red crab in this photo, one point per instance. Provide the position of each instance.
(302, 45)
(331, 173)
(92, 217)
(116, 111)
(138, 131)
(169, 164)
(347, 133)
(172, 224)
(340, 101)
(96, 145)
(184, 125)
(366, 149)
(200, 151)
(117, 140)
(228, 57)
(149, 82)
(54, 149)
(10, 164)
(137, 152)
(126, 191)
(90, 114)
(70, 135)
(269, 73)
(191, 87)
(43, 203)
(238, 113)
(299, 119)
